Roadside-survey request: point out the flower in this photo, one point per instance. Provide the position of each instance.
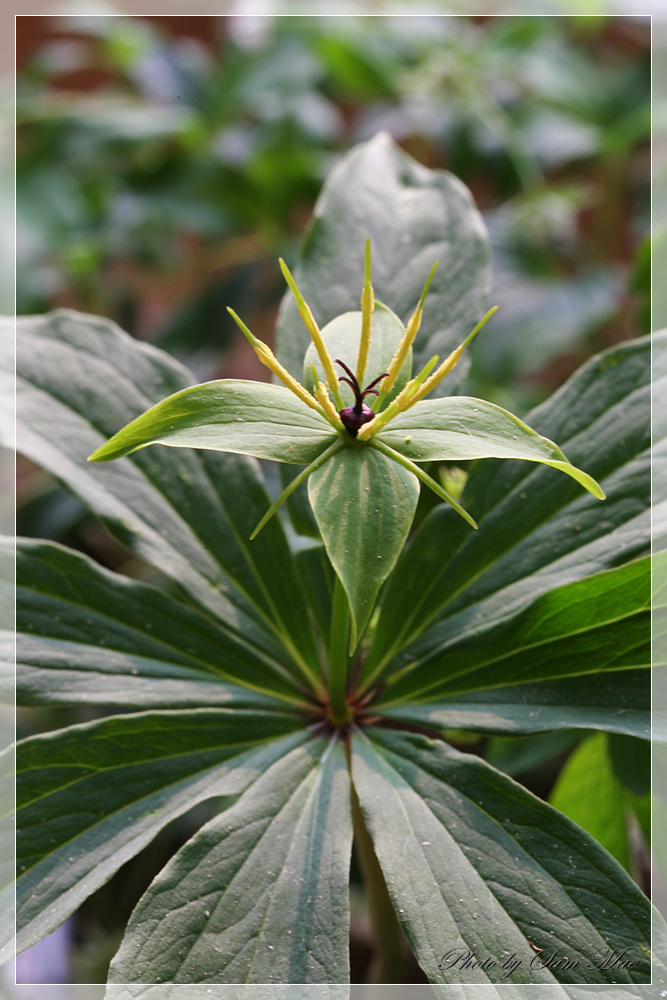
(361, 461)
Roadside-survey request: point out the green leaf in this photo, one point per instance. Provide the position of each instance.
(595, 625)
(246, 418)
(342, 336)
(617, 702)
(537, 530)
(260, 894)
(631, 761)
(522, 755)
(314, 566)
(364, 505)
(267, 991)
(641, 807)
(413, 216)
(474, 861)
(7, 853)
(188, 513)
(462, 428)
(89, 636)
(589, 793)
(92, 796)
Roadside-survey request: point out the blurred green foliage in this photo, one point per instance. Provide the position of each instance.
(163, 187)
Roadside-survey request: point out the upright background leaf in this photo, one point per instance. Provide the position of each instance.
(376, 499)
(413, 216)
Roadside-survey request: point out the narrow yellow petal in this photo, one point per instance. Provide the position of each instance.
(445, 368)
(402, 402)
(411, 331)
(268, 358)
(449, 363)
(366, 430)
(322, 397)
(314, 331)
(367, 307)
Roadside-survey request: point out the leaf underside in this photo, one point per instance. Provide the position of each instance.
(260, 894)
(92, 796)
(413, 216)
(473, 861)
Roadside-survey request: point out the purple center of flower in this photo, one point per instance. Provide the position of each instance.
(359, 414)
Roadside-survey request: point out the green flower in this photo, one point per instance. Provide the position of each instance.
(361, 462)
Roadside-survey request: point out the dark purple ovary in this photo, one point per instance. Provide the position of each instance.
(358, 414)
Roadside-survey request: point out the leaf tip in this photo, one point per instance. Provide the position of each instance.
(99, 454)
(590, 484)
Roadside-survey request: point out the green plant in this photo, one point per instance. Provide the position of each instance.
(234, 679)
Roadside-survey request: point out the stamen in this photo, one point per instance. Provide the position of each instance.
(367, 307)
(268, 358)
(314, 331)
(323, 398)
(407, 341)
(449, 363)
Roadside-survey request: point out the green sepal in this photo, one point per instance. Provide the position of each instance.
(460, 428)
(364, 504)
(243, 417)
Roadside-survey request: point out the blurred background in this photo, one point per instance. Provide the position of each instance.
(165, 162)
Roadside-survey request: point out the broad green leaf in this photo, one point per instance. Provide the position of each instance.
(537, 530)
(92, 796)
(246, 418)
(474, 861)
(364, 504)
(191, 514)
(315, 567)
(7, 628)
(462, 428)
(520, 755)
(589, 793)
(89, 636)
(260, 894)
(595, 625)
(7, 842)
(413, 216)
(617, 701)
(342, 336)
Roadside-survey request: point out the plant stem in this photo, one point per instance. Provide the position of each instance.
(338, 657)
(387, 966)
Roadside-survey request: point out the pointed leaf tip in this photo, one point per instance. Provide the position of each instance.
(364, 504)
